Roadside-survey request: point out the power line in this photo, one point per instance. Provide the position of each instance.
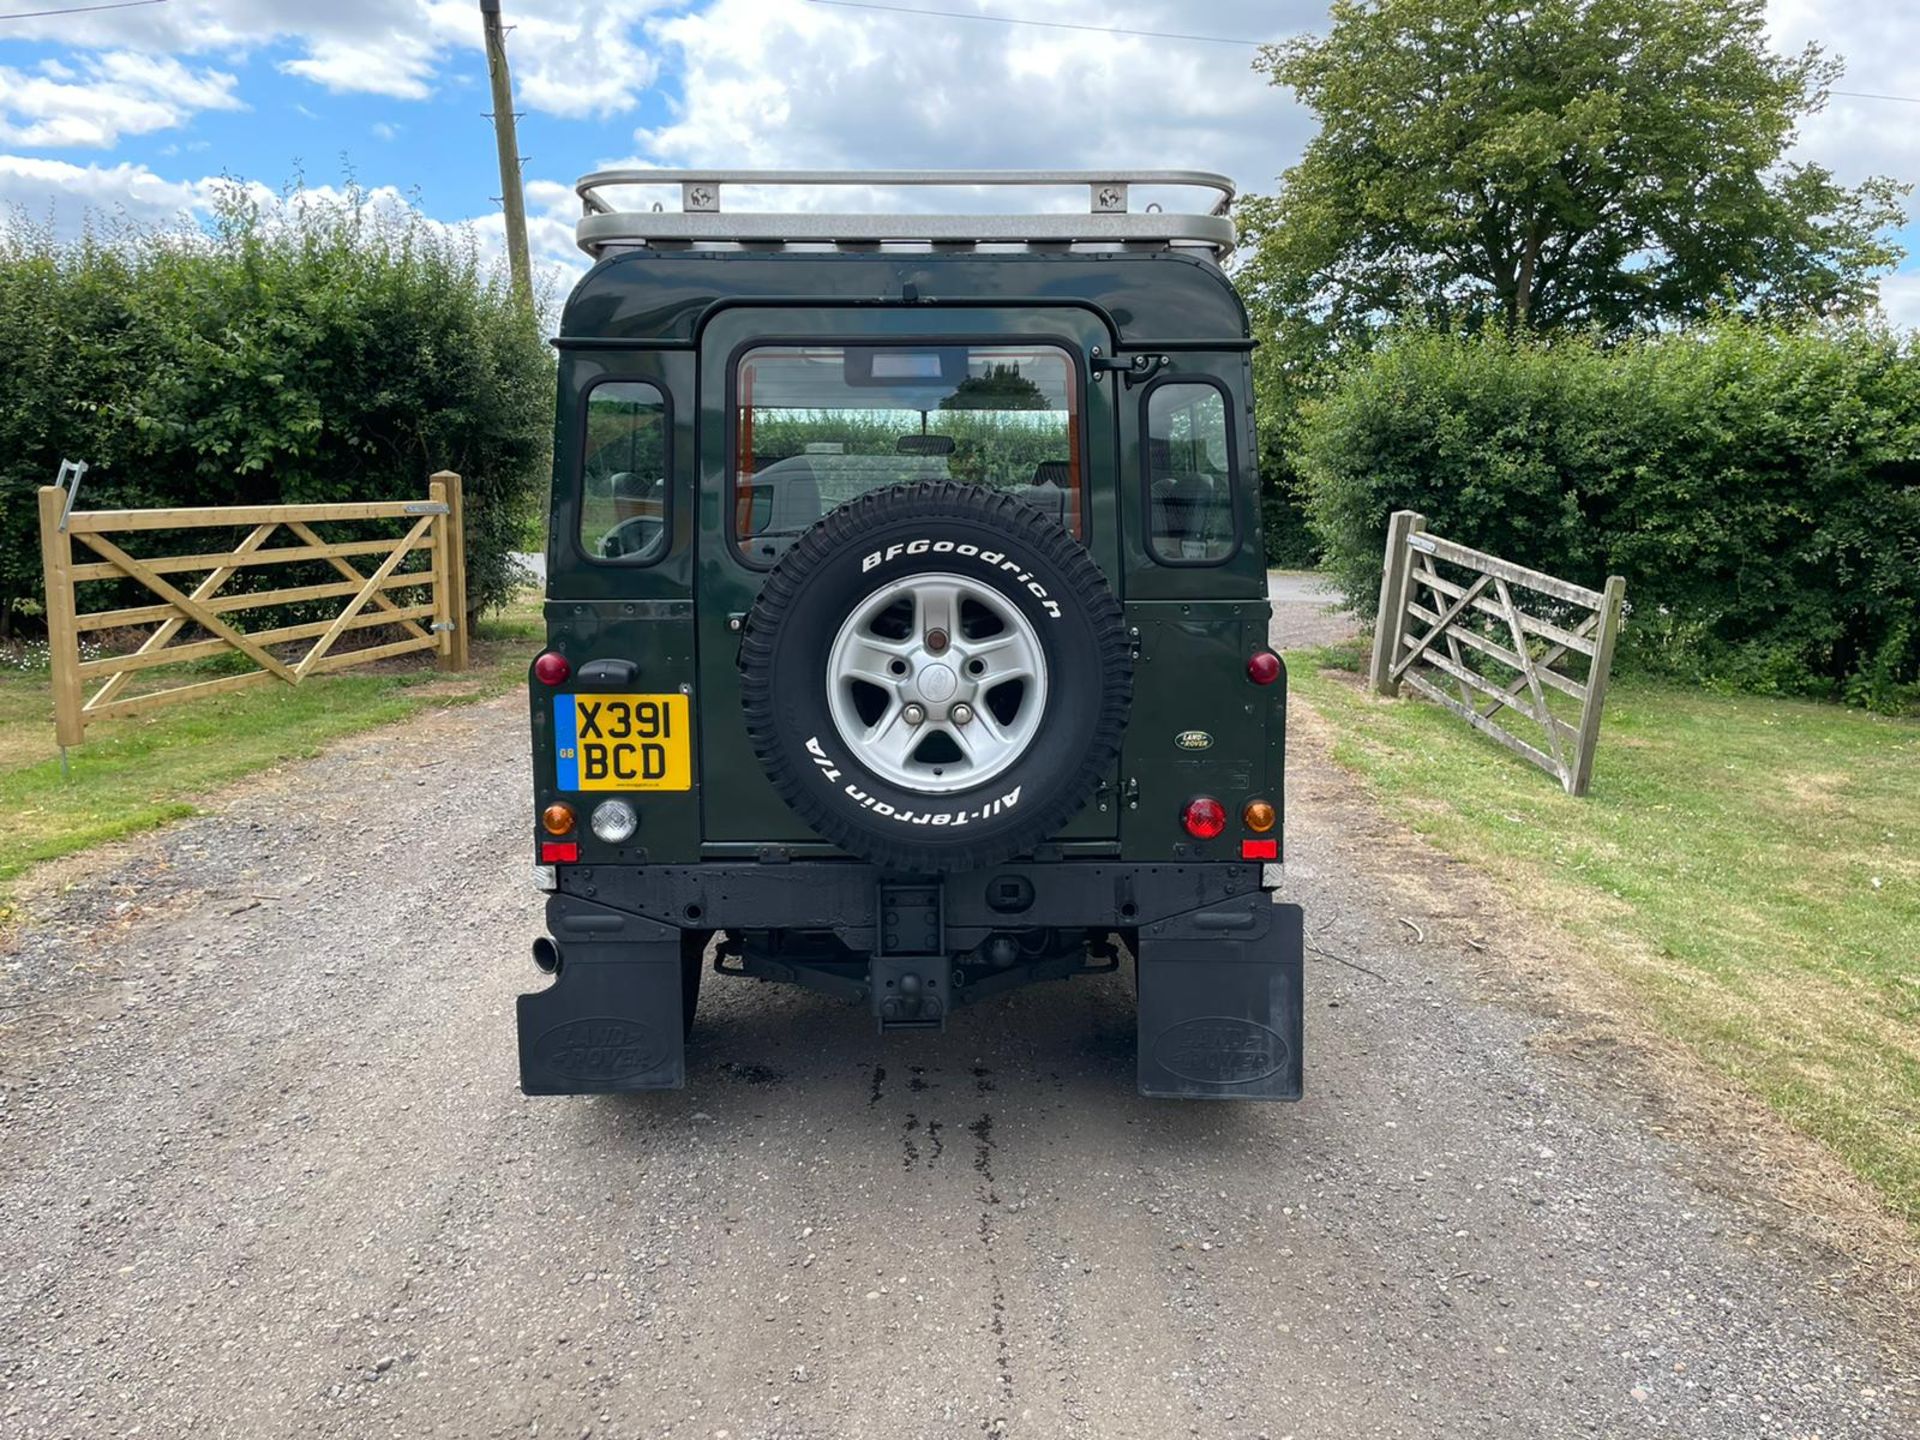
(1040, 24)
(79, 9)
(1174, 35)
(1868, 95)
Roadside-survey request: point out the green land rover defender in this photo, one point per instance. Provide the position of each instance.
(907, 624)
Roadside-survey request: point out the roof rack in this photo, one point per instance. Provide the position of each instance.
(700, 220)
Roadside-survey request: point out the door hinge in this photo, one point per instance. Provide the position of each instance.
(1133, 368)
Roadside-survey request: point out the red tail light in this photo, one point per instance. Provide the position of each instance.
(1263, 667)
(552, 668)
(1204, 818)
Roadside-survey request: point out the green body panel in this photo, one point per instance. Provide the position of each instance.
(678, 322)
(1190, 680)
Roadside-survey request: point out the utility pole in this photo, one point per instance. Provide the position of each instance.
(512, 198)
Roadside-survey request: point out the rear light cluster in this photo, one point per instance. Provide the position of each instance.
(557, 819)
(1205, 818)
(1263, 667)
(613, 821)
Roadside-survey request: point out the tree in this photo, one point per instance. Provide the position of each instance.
(1601, 164)
(1003, 387)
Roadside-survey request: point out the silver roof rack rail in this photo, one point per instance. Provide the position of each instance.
(700, 220)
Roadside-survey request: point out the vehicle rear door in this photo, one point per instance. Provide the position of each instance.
(835, 381)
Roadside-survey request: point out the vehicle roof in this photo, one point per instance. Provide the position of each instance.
(1148, 295)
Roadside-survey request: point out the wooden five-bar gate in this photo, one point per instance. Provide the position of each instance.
(1434, 628)
(437, 622)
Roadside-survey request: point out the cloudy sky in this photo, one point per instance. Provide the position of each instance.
(137, 106)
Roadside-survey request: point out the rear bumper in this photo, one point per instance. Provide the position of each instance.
(844, 897)
(1219, 965)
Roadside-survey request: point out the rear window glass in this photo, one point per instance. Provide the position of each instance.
(1189, 474)
(623, 483)
(816, 425)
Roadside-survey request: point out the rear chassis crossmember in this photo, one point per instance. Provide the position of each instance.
(1218, 964)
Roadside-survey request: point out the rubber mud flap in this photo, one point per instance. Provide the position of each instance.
(612, 1019)
(1221, 1010)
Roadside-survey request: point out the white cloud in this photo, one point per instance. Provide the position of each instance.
(578, 59)
(97, 99)
(1880, 44)
(67, 196)
(570, 57)
(769, 84)
(396, 64)
(1900, 298)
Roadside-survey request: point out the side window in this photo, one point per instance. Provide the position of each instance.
(623, 473)
(1190, 479)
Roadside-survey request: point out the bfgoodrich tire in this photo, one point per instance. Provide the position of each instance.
(936, 677)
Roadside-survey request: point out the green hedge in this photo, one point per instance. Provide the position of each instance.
(1284, 528)
(307, 351)
(1758, 488)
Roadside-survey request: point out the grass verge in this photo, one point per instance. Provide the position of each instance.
(1751, 866)
(134, 774)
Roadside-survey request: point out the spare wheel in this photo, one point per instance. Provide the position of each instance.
(936, 677)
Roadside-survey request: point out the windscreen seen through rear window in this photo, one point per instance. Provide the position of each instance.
(817, 425)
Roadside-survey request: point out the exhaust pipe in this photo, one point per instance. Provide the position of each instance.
(546, 956)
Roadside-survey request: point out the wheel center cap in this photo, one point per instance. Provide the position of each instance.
(937, 683)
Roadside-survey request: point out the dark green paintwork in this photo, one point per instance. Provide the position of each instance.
(678, 319)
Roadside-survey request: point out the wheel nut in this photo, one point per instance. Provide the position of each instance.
(915, 714)
(962, 713)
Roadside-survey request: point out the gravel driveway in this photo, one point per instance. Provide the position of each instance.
(264, 1171)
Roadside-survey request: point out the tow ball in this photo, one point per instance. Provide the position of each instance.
(912, 992)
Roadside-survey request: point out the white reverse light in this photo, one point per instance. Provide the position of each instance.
(614, 821)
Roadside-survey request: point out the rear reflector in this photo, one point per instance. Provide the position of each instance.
(1259, 849)
(559, 852)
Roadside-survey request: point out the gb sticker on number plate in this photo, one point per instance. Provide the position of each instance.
(622, 742)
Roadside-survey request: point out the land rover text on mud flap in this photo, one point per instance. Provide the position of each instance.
(907, 625)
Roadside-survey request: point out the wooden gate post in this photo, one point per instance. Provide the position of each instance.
(63, 635)
(454, 655)
(1390, 623)
(1606, 632)
(442, 575)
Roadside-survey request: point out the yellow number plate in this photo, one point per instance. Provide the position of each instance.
(622, 742)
